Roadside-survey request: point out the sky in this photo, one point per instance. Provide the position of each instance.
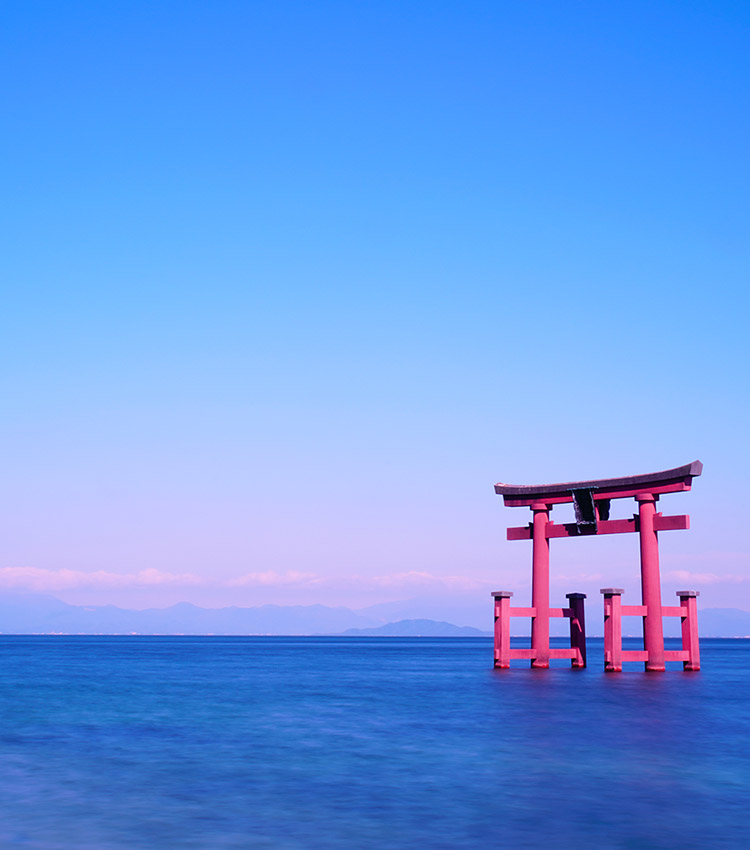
(288, 286)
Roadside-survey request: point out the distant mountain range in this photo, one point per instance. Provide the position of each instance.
(32, 614)
(417, 628)
(28, 613)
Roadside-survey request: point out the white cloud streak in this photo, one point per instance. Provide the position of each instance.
(34, 578)
(707, 578)
(272, 579)
(44, 580)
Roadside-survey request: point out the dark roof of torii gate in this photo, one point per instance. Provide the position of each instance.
(667, 477)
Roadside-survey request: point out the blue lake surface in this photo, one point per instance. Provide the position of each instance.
(191, 742)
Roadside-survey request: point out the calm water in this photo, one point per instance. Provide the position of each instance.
(150, 742)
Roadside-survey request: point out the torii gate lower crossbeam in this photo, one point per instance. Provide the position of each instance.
(591, 501)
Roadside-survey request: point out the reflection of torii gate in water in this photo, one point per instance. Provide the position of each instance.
(591, 501)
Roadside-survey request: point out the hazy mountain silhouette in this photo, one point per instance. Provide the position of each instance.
(31, 613)
(417, 628)
(35, 614)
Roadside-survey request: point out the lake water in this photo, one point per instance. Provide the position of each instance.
(306, 743)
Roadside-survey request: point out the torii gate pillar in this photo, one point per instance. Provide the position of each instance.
(540, 586)
(653, 630)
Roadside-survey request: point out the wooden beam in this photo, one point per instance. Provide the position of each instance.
(520, 533)
(671, 523)
(666, 481)
(522, 653)
(613, 493)
(633, 610)
(608, 526)
(676, 655)
(563, 653)
(634, 655)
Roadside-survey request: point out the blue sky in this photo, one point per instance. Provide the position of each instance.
(289, 286)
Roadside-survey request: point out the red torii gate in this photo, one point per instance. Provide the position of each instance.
(591, 501)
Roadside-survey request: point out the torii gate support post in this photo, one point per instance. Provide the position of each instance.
(653, 629)
(540, 586)
(612, 629)
(690, 629)
(577, 628)
(502, 628)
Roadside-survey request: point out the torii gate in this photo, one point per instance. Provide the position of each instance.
(591, 501)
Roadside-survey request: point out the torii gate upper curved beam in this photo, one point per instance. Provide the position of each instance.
(668, 481)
